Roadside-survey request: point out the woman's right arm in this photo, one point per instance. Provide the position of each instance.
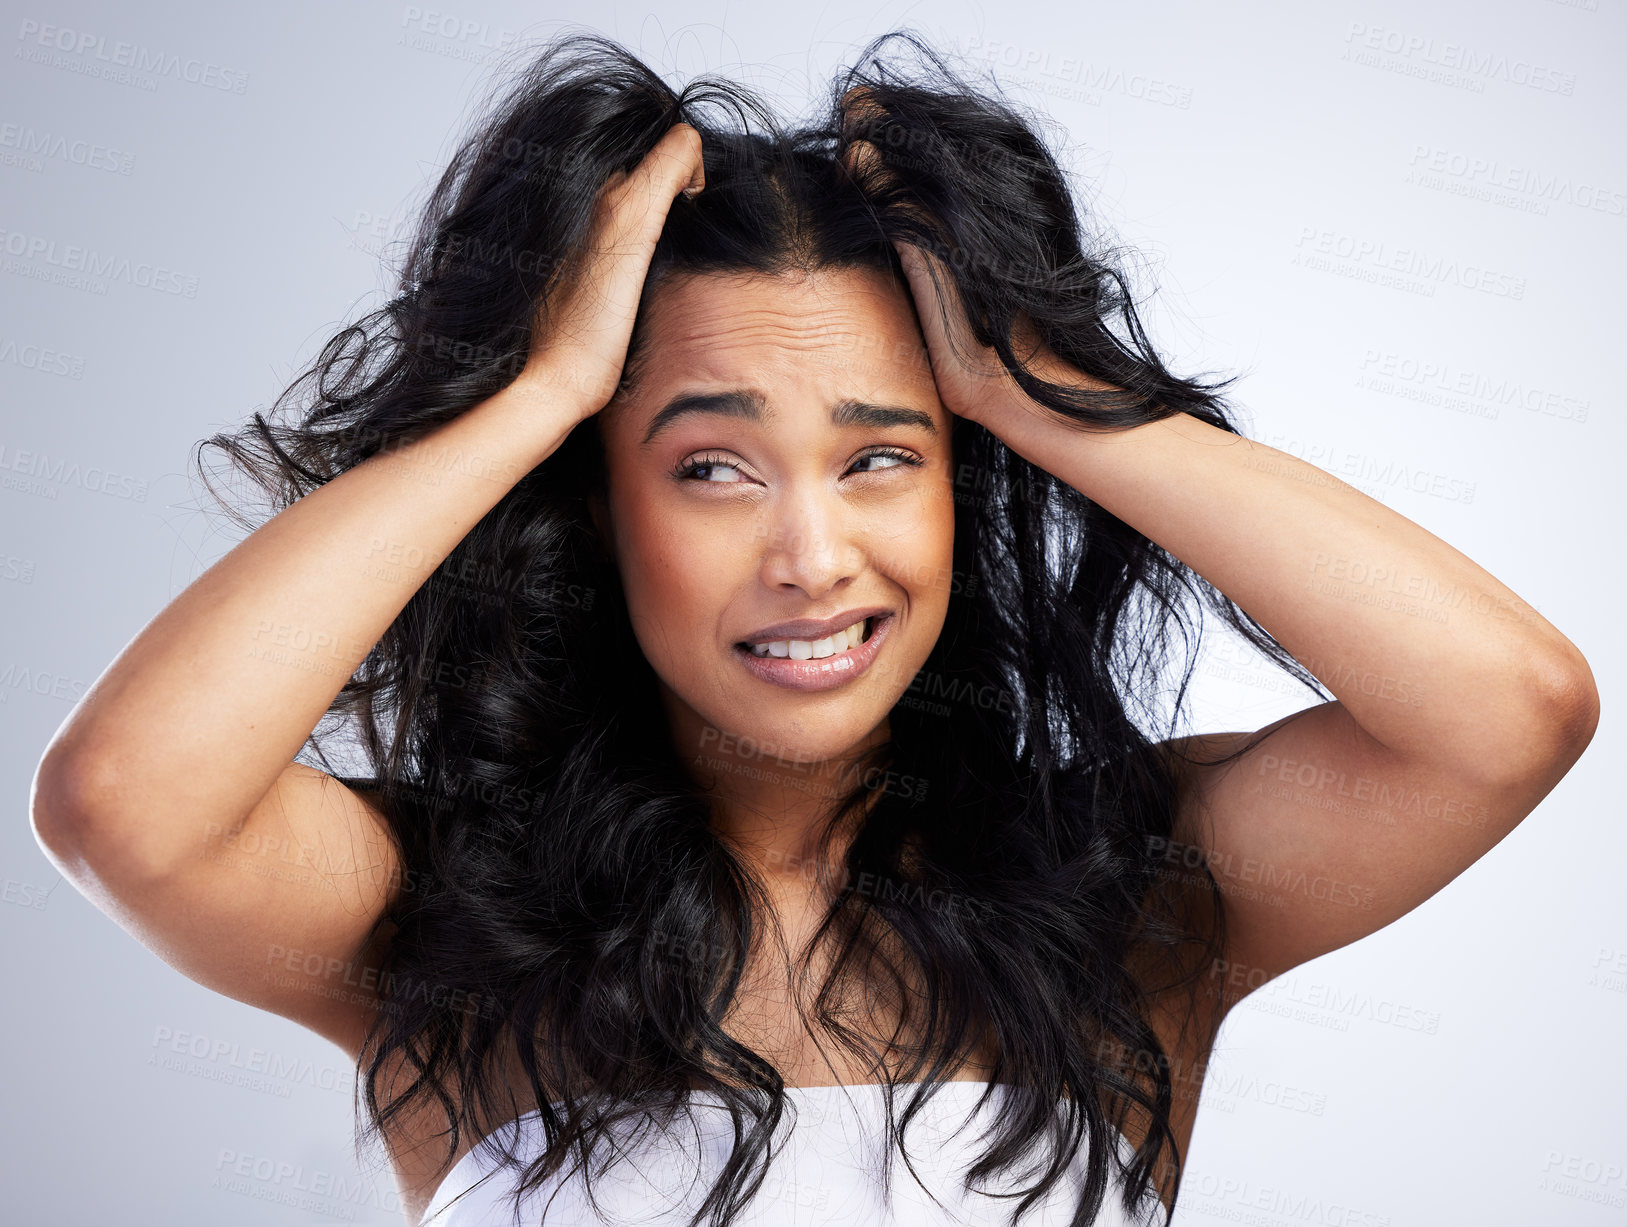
(170, 797)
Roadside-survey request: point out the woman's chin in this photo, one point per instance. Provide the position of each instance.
(804, 745)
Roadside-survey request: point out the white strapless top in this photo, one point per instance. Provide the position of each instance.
(826, 1168)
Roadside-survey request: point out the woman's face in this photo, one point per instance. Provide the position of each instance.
(783, 456)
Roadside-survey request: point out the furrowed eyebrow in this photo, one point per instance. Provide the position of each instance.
(750, 405)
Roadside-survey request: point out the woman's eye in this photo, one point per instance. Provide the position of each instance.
(705, 468)
(895, 459)
(706, 462)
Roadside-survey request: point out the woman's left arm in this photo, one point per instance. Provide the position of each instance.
(1458, 707)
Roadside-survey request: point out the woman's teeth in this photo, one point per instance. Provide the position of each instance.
(813, 649)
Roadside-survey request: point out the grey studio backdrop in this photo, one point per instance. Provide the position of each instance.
(1405, 223)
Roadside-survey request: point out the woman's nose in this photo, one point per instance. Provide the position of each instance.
(809, 546)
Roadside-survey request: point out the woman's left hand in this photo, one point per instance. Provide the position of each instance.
(972, 381)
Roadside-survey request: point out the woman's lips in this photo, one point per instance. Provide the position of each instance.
(825, 673)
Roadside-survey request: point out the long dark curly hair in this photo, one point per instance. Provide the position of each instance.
(566, 879)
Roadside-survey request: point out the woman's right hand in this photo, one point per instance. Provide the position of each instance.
(579, 343)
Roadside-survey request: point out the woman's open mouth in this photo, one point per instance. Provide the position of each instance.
(818, 664)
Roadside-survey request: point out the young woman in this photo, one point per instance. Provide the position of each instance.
(749, 559)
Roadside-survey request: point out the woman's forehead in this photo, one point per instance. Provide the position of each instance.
(821, 307)
(853, 322)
